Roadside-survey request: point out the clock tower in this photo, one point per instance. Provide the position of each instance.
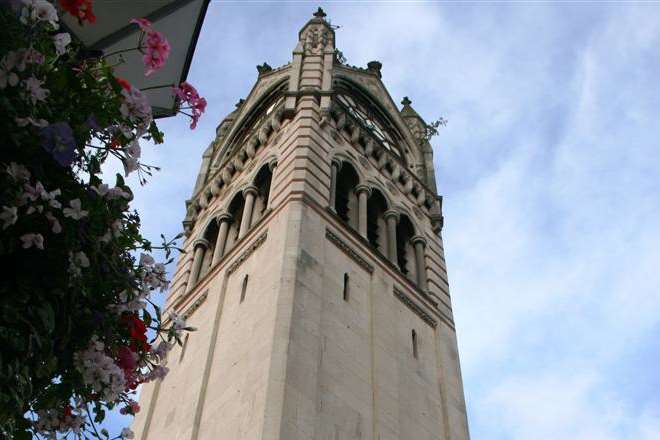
(314, 269)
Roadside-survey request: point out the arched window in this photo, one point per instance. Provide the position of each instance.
(346, 203)
(211, 235)
(235, 210)
(405, 251)
(376, 225)
(262, 182)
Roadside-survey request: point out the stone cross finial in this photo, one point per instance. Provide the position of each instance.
(319, 13)
(406, 101)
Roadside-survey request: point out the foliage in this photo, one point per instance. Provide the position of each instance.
(433, 128)
(75, 302)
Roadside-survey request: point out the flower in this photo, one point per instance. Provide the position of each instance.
(123, 83)
(58, 140)
(7, 77)
(17, 172)
(146, 260)
(39, 10)
(81, 9)
(186, 93)
(100, 372)
(132, 408)
(130, 164)
(55, 225)
(127, 434)
(22, 122)
(143, 23)
(8, 216)
(37, 93)
(157, 50)
(61, 41)
(136, 107)
(75, 212)
(36, 240)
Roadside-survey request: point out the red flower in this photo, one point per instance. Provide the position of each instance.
(81, 9)
(125, 359)
(67, 411)
(123, 83)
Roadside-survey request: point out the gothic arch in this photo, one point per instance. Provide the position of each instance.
(377, 206)
(243, 128)
(405, 251)
(411, 156)
(346, 203)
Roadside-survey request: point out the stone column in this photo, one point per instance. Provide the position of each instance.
(392, 218)
(420, 261)
(224, 219)
(272, 165)
(335, 166)
(249, 193)
(363, 192)
(200, 246)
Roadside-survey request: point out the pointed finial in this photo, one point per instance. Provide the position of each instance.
(319, 13)
(406, 101)
(240, 102)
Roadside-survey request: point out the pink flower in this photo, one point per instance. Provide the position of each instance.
(186, 93)
(37, 93)
(143, 23)
(157, 50)
(36, 240)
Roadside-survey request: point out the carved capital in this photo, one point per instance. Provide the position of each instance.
(201, 242)
(223, 216)
(363, 188)
(418, 239)
(251, 189)
(392, 213)
(336, 162)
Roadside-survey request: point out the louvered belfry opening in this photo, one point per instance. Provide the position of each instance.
(345, 205)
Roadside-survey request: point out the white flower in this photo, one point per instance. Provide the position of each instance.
(76, 262)
(136, 107)
(117, 192)
(61, 41)
(37, 93)
(7, 78)
(130, 164)
(127, 434)
(8, 216)
(17, 172)
(101, 190)
(39, 10)
(134, 150)
(100, 372)
(55, 225)
(146, 260)
(22, 122)
(36, 240)
(75, 212)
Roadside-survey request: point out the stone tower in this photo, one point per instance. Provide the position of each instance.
(314, 270)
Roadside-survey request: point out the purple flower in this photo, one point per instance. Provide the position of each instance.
(58, 140)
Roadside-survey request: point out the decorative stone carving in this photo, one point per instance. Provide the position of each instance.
(247, 252)
(194, 306)
(416, 309)
(348, 251)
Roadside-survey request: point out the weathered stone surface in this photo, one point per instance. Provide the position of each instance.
(305, 330)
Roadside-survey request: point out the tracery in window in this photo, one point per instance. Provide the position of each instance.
(369, 119)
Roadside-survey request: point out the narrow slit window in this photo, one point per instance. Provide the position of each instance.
(346, 292)
(183, 348)
(244, 288)
(414, 344)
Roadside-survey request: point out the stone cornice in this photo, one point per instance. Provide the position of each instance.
(419, 311)
(348, 251)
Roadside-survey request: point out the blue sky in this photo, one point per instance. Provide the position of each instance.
(549, 168)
